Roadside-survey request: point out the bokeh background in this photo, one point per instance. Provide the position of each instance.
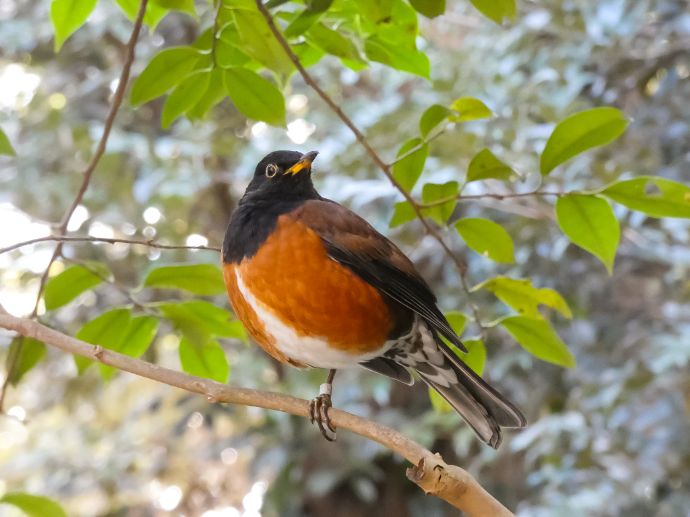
(609, 437)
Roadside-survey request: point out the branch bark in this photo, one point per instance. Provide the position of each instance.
(448, 482)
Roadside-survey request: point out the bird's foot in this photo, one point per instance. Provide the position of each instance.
(318, 412)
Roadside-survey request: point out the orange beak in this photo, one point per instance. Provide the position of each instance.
(303, 163)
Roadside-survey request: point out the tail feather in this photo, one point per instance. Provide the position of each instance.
(471, 410)
(480, 405)
(504, 411)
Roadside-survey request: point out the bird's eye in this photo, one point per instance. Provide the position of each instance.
(271, 170)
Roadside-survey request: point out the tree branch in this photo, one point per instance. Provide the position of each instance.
(87, 238)
(431, 473)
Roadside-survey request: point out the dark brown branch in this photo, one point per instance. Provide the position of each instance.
(87, 238)
(431, 473)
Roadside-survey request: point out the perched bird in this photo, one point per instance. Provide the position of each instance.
(317, 286)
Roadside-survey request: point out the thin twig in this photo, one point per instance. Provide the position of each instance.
(474, 308)
(417, 147)
(493, 195)
(218, 4)
(448, 482)
(501, 197)
(87, 238)
(88, 173)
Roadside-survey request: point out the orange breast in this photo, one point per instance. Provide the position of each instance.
(249, 318)
(293, 276)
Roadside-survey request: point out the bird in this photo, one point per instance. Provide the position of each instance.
(315, 285)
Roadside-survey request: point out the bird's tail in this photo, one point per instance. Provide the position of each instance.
(480, 405)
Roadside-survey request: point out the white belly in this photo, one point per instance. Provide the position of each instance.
(310, 350)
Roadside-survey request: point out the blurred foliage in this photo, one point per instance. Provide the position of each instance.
(607, 437)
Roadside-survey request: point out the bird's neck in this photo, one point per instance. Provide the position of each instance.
(254, 220)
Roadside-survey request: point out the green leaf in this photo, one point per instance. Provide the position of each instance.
(580, 132)
(408, 170)
(215, 92)
(255, 97)
(589, 222)
(375, 11)
(333, 42)
(67, 16)
(437, 192)
(199, 320)
(31, 352)
(65, 287)
(457, 321)
(397, 56)
(259, 42)
(432, 118)
(154, 13)
(485, 165)
(522, 296)
(185, 6)
(539, 339)
(429, 8)
(301, 23)
(402, 213)
(228, 51)
(140, 334)
(654, 196)
(5, 145)
(203, 279)
(138, 337)
(497, 10)
(168, 68)
(204, 359)
(33, 505)
(184, 96)
(475, 357)
(107, 330)
(469, 108)
(487, 238)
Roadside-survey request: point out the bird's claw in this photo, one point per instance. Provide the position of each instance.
(318, 412)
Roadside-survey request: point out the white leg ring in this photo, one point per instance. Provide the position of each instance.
(325, 389)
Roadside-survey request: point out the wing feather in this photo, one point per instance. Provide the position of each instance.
(353, 242)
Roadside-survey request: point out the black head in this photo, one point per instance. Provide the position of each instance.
(283, 175)
(282, 181)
